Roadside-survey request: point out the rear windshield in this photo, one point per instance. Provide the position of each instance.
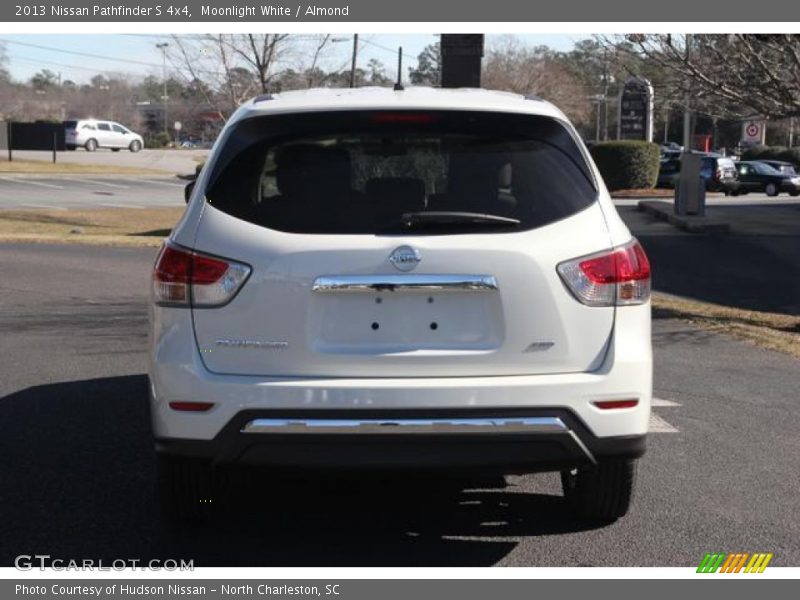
(362, 172)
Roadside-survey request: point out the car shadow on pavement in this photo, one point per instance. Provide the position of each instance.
(78, 482)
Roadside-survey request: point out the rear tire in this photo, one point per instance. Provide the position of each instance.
(602, 492)
(186, 488)
(91, 145)
(771, 190)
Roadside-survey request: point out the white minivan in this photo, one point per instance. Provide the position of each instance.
(410, 279)
(92, 134)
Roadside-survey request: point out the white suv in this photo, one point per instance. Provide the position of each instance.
(420, 278)
(92, 134)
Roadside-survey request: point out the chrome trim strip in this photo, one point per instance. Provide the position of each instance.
(399, 282)
(406, 426)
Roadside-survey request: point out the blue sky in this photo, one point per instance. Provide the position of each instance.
(136, 54)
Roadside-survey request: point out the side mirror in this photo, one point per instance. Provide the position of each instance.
(187, 191)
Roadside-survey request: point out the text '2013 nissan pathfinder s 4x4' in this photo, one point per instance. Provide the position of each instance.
(419, 279)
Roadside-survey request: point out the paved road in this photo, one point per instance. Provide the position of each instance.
(756, 266)
(171, 161)
(90, 191)
(77, 474)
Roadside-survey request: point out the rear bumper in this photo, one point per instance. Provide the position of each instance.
(510, 441)
(177, 373)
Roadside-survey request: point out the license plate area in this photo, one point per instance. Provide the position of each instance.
(396, 322)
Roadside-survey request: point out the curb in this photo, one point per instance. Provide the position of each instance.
(690, 223)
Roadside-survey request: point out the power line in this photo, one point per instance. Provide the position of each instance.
(84, 54)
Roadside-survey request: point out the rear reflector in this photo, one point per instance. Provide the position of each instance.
(191, 406)
(619, 276)
(613, 404)
(182, 277)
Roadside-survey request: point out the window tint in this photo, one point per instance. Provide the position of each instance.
(671, 166)
(359, 172)
(765, 169)
(103, 127)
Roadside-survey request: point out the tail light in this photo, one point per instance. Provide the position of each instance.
(616, 277)
(184, 278)
(718, 175)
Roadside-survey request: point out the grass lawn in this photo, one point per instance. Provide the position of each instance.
(113, 226)
(40, 167)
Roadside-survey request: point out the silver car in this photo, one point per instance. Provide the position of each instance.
(92, 134)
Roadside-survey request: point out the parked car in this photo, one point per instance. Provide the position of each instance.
(718, 172)
(420, 279)
(758, 176)
(784, 167)
(668, 172)
(92, 134)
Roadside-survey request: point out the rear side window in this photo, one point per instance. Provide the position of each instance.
(103, 127)
(361, 172)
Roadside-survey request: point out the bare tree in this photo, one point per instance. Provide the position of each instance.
(538, 70)
(219, 60)
(736, 75)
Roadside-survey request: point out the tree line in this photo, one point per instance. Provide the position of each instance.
(720, 78)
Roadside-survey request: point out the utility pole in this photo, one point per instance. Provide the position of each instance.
(605, 96)
(353, 64)
(163, 47)
(687, 113)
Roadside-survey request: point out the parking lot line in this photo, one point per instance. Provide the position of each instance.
(157, 182)
(659, 425)
(31, 182)
(105, 183)
(662, 402)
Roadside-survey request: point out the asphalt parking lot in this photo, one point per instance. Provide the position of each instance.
(90, 191)
(77, 471)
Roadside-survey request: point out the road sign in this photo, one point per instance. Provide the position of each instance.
(753, 132)
(636, 110)
(177, 126)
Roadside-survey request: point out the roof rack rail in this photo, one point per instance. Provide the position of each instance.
(532, 97)
(262, 98)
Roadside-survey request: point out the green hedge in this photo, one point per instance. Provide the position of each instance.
(791, 155)
(627, 164)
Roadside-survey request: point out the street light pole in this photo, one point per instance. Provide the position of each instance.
(163, 47)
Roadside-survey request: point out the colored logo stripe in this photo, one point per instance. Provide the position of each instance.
(733, 563)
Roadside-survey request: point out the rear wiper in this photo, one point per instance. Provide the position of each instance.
(446, 218)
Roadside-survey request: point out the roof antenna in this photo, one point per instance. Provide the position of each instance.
(398, 86)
